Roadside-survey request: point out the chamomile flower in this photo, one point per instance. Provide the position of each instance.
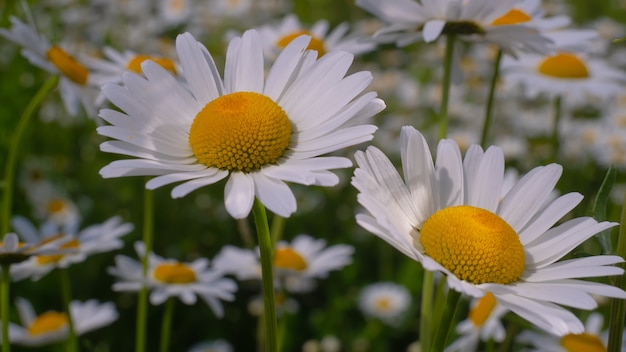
(386, 301)
(493, 21)
(297, 264)
(170, 278)
(574, 76)
(77, 247)
(450, 217)
(591, 340)
(482, 324)
(257, 132)
(276, 37)
(13, 251)
(74, 78)
(52, 326)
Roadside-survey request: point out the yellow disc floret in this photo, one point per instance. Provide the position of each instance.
(47, 322)
(564, 65)
(135, 63)
(174, 273)
(55, 258)
(241, 131)
(67, 65)
(287, 258)
(474, 244)
(514, 16)
(582, 343)
(482, 310)
(315, 44)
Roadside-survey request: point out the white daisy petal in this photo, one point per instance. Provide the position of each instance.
(239, 194)
(275, 195)
(200, 65)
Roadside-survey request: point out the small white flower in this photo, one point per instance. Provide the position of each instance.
(170, 278)
(386, 301)
(212, 346)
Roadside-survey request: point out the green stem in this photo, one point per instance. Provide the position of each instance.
(6, 13)
(265, 249)
(66, 291)
(4, 306)
(426, 310)
(490, 99)
(554, 139)
(166, 324)
(9, 171)
(618, 306)
(142, 298)
(445, 87)
(443, 330)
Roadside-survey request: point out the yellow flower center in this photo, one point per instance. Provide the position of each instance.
(56, 206)
(55, 258)
(287, 258)
(174, 273)
(383, 304)
(67, 65)
(582, 343)
(514, 16)
(564, 65)
(482, 310)
(474, 244)
(47, 322)
(135, 63)
(315, 44)
(241, 131)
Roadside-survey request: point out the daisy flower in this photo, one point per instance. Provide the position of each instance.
(575, 76)
(386, 301)
(449, 217)
(297, 264)
(257, 132)
(52, 326)
(77, 247)
(276, 37)
(170, 278)
(493, 21)
(592, 339)
(74, 79)
(13, 251)
(482, 324)
(212, 346)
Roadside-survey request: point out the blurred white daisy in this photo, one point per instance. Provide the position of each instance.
(297, 265)
(257, 132)
(591, 340)
(451, 219)
(74, 78)
(574, 76)
(174, 12)
(482, 324)
(275, 37)
(52, 326)
(212, 346)
(170, 278)
(13, 251)
(492, 21)
(76, 246)
(386, 301)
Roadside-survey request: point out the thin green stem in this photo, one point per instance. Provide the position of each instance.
(445, 325)
(166, 324)
(445, 87)
(142, 298)
(490, 100)
(266, 251)
(6, 13)
(66, 291)
(4, 306)
(9, 171)
(554, 139)
(618, 306)
(426, 310)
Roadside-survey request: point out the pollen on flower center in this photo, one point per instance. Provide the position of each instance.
(135, 63)
(383, 304)
(482, 310)
(584, 342)
(174, 273)
(287, 258)
(67, 65)
(514, 16)
(54, 258)
(564, 65)
(241, 131)
(47, 322)
(474, 244)
(56, 206)
(315, 44)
